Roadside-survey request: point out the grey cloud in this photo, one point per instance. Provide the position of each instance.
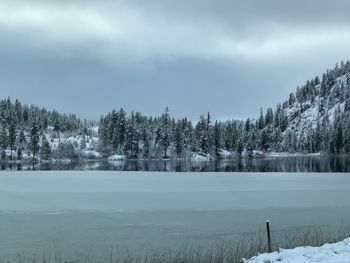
(138, 30)
(227, 57)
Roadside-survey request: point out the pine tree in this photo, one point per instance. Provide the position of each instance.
(338, 132)
(12, 137)
(239, 146)
(132, 138)
(83, 142)
(325, 134)
(261, 122)
(34, 140)
(217, 136)
(269, 116)
(113, 130)
(3, 138)
(45, 149)
(57, 124)
(249, 146)
(145, 143)
(64, 150)
(22, 140)
(164, 134)
(179, 140)
(291, 99)
(346, 132)
(188, 135)
(202, 134)
(104, 136)
(265, 139)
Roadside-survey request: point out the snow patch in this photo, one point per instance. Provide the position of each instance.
(201, 157)
(287, 154)
(336, 252)
(91, 154)
(116, 157)
(224, 154)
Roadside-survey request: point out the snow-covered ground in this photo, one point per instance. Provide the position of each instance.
(116, 157)
(197, 157)
(95, 212)
(286, 154)
(328, 253)
(91, 154)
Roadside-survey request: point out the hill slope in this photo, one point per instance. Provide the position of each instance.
(317, 114)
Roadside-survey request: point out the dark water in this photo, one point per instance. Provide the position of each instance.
(280, 164)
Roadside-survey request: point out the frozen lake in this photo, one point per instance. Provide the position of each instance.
(96, 212)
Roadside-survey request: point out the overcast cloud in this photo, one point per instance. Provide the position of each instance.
(227, 57)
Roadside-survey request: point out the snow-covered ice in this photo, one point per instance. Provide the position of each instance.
(328, 253)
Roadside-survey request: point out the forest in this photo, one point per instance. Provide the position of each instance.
(314, 119)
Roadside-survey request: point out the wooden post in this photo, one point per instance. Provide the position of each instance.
(268, 236)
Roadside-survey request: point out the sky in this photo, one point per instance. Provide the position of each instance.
(223, 56)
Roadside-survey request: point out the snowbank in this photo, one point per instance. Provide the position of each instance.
(337, 253)
(287, 154)
(91, 154)
(224, 154)
(64, 160)
(201, 157)
(25, 155)
(116, 157)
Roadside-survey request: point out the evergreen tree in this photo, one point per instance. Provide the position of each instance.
(217, 135)
(65, 150)
(132, 138)
(3, 138)
(121, 128)
(261, 122)
(179, 140)
(164, 135)
(22, 140)
(34, 140)
(45, 149)
(265, 140)
(104, 136)
(338, 132)
(202, 134)
(145, 143)
(83, 142)
(239, 146)
(12, 137)
(346, 132)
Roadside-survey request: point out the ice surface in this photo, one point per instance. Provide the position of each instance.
(98, 211)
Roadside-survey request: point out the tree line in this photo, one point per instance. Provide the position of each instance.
(283, 129)
(23, 128)
(315, 118)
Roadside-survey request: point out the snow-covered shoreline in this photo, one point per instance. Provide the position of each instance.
(336, 253)
(90, 155)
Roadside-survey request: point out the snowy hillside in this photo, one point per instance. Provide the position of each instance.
(305, 116)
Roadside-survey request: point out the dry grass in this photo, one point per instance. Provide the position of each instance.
(225, 252)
